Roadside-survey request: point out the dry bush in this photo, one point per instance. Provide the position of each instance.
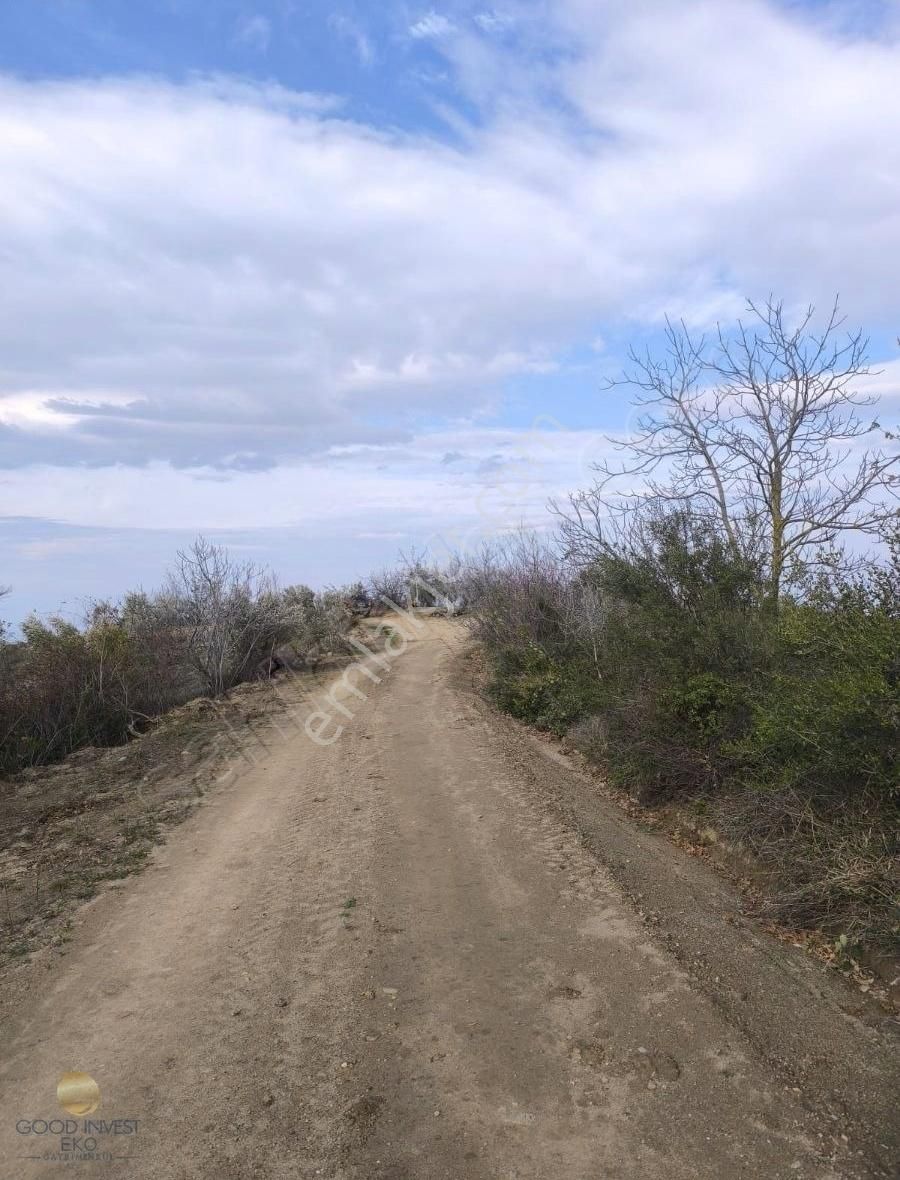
(415, 582)
(388, 587)
(216, 623)
(832, 867)
(64, 687)
(319, 621)
(518, 593)
(229, 615)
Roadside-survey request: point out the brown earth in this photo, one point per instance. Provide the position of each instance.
(69, 828)
(432, 950)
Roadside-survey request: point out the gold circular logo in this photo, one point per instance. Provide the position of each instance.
(78, 1093)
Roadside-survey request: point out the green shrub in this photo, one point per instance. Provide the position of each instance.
(551, 694)
(825, 719)
(680, 641)
(666, 662)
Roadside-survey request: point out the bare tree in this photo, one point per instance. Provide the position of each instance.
(229, 614)
(759, 429)
(388, 585)
(429, 584)
(415, 569)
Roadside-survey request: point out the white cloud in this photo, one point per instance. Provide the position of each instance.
(499, 478)
(884, 384)
(353, 32)
(432, 24)
(492, 21)
(218, 273)
(255, 32)
(39, 410)
(55, 548)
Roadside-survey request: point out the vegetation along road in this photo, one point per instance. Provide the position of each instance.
(428, 950)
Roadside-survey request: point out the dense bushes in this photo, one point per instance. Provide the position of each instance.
(214, 624)
(818, 762)
(665, 660)
(657, 638)
(63, 687)
(418, 583)
(551, 693)
(682, 638)
(826, 711)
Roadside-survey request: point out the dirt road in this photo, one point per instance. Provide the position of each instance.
(390, 957)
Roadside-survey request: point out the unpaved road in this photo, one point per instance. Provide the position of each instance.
(394, 957)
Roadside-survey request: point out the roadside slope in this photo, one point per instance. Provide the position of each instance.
(390, 958)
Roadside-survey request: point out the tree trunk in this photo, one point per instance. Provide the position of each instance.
(776, 567)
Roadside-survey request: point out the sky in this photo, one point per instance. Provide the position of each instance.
(329, 280)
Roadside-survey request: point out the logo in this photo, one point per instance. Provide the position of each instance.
(78, 1093)
(78, 1138)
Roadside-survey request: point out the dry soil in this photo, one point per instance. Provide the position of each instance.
(429, 950)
